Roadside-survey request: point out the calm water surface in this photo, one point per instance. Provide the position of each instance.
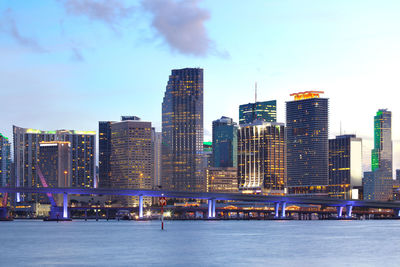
(201, 243)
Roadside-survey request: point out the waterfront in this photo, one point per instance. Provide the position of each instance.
(200, 243)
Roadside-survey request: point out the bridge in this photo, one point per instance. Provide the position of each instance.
(280, 202)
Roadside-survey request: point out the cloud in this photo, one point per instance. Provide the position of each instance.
(9, 27)
(181, 24)
(110, 12)
(77, 55)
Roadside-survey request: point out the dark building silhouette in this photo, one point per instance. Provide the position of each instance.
(182, 131)
(104, 153)
(307, 143)
(224, 132)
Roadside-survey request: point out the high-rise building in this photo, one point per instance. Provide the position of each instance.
(265, 111)
(378, 184)
(345, 167)
(398, 175)
(104, 153)
(156, 143)
(222, 180)
(131, 158)
(307, 143)
(5, 161)
(182, 131)
(54, 163)
(26, 155)
(207, 155)
(261, 157)
(224, 132)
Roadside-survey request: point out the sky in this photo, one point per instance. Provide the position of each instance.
(67, 64)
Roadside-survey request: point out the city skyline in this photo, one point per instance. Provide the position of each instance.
(74, 76)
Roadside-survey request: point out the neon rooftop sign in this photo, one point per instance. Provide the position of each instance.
(306, 95)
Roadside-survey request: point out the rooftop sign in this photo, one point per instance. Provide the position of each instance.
(306, 95)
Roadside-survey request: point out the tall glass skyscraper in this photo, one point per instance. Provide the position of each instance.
(345, 166)
(264, 111)
(261, 157)
(5, 161)
(378, 183)
(104, 154)
(307, 142)
(182, 131)
(224, 133)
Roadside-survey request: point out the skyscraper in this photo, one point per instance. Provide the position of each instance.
(345, 166)
(131, 158)
(265, 111)
(182, 131)
(378, 183)
(156, 143)
(261, 157)
(82, 157)
(307, 143)
(104, 153)
(54, 163)
(224, 132)
(5, 161)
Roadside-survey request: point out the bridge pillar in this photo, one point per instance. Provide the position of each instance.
(283, 214)
(211, 208)
(349, 209)
(396, 212)
(140, 207)
(339, 211)
(214, 203)
(276, 209)
(65, 206)
(3, 213)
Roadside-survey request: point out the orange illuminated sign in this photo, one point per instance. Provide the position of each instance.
(306, 95)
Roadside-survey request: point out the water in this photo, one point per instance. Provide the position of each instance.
(200, 243)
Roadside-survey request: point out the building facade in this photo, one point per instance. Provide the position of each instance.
(307, 143)
(131, 158)
(378, 184)
(345, 167)
(156, 143)
(222, 180)
(26, 156)
(182, 131)
(224, 134)
(104, 153)
(54, 163)
(5, 161)
(264, 111)
(261, 158)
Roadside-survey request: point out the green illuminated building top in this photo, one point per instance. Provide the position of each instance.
(382, 151)
(264, 111)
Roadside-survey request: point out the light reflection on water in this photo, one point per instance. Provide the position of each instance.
(201, 243)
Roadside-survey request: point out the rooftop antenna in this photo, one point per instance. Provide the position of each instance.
(340, 127)
(255, 93)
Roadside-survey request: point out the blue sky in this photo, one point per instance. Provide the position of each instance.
(71, 63)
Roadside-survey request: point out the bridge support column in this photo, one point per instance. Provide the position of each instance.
(276, 209)
(396, 212)
(283, 213)
(211, 208)
(339, 211)
(349, 209)
(140, 207)
(65, 206)
(214, 203)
